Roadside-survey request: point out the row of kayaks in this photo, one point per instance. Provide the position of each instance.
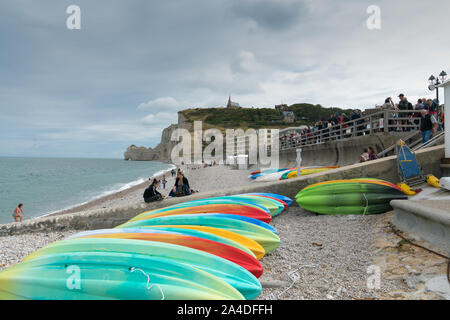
(287, 173)
(350, 197)
(201, 249)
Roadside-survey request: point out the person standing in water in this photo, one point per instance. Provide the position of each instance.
(18, 212)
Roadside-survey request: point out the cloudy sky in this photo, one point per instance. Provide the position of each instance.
(122, 77)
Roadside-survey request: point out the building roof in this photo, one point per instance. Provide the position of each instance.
(232, 104)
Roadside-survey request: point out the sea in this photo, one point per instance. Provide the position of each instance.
(49, 185)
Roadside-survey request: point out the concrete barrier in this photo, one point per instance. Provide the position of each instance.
(385, 168)
(340, 152)
(425, 220)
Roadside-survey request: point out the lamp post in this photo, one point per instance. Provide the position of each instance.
(435, 82)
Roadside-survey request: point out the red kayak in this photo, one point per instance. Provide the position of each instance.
(279, 200)
(213, 247)
(236, 209)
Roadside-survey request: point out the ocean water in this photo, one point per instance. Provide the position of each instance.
(47, 185)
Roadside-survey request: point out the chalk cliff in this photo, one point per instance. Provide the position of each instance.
(160, 153)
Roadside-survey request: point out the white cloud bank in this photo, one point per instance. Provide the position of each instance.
(164, 103)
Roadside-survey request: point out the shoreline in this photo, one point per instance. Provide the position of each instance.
(98, 202)
(199, 178)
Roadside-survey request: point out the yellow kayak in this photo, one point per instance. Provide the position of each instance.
(306, 172)
(252, 245)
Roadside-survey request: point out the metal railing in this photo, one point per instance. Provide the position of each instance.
(383, 121)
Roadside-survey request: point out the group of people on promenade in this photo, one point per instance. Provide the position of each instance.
(426, 115)
(180, 189)
(432, 106)
(327, 128)
(426, 110)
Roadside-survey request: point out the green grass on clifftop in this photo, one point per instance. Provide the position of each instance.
(305, 113)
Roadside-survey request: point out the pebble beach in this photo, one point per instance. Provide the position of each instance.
(320, 257)
(14, 248)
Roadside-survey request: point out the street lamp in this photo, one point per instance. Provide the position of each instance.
(435, 82)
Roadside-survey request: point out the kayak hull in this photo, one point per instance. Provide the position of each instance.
(236, 276)
(353, 197)
(104, 275)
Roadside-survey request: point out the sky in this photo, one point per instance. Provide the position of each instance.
(122, 77)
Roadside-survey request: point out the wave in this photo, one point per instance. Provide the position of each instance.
(114, 189)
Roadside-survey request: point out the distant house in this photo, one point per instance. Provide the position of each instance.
(282, 107)
(288, 116)
(232, 105)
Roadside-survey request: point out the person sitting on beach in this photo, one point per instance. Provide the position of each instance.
(18, 212)
(365, 156)
(372, 153)
(181, 187)
(151, 194)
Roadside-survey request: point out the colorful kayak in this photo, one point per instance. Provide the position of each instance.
(199, 207)
(362, 196)
(273, 176)
(110, 275)
(230, 272)
(224, 216)
(250, 244)
(188, 232)
(256, 174)
(282, 174)
(232, 254)
(284, 199)
(267, 239)
(275, 207)
(268, 205)
(305, 172)
(281, 205)
(215, 201)
(359, 180)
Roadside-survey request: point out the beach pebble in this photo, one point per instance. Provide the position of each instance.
(330, 254)
(13, 249)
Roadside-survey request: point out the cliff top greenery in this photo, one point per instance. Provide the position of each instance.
(305, 114)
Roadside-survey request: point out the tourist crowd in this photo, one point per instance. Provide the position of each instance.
(426, 115)
(336, 127)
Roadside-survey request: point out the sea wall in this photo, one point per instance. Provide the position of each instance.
(340, 152)
(385, 168)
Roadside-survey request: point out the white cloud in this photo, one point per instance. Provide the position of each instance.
(160, 118)
(105, 132)
(164, 103)
(261, 52)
